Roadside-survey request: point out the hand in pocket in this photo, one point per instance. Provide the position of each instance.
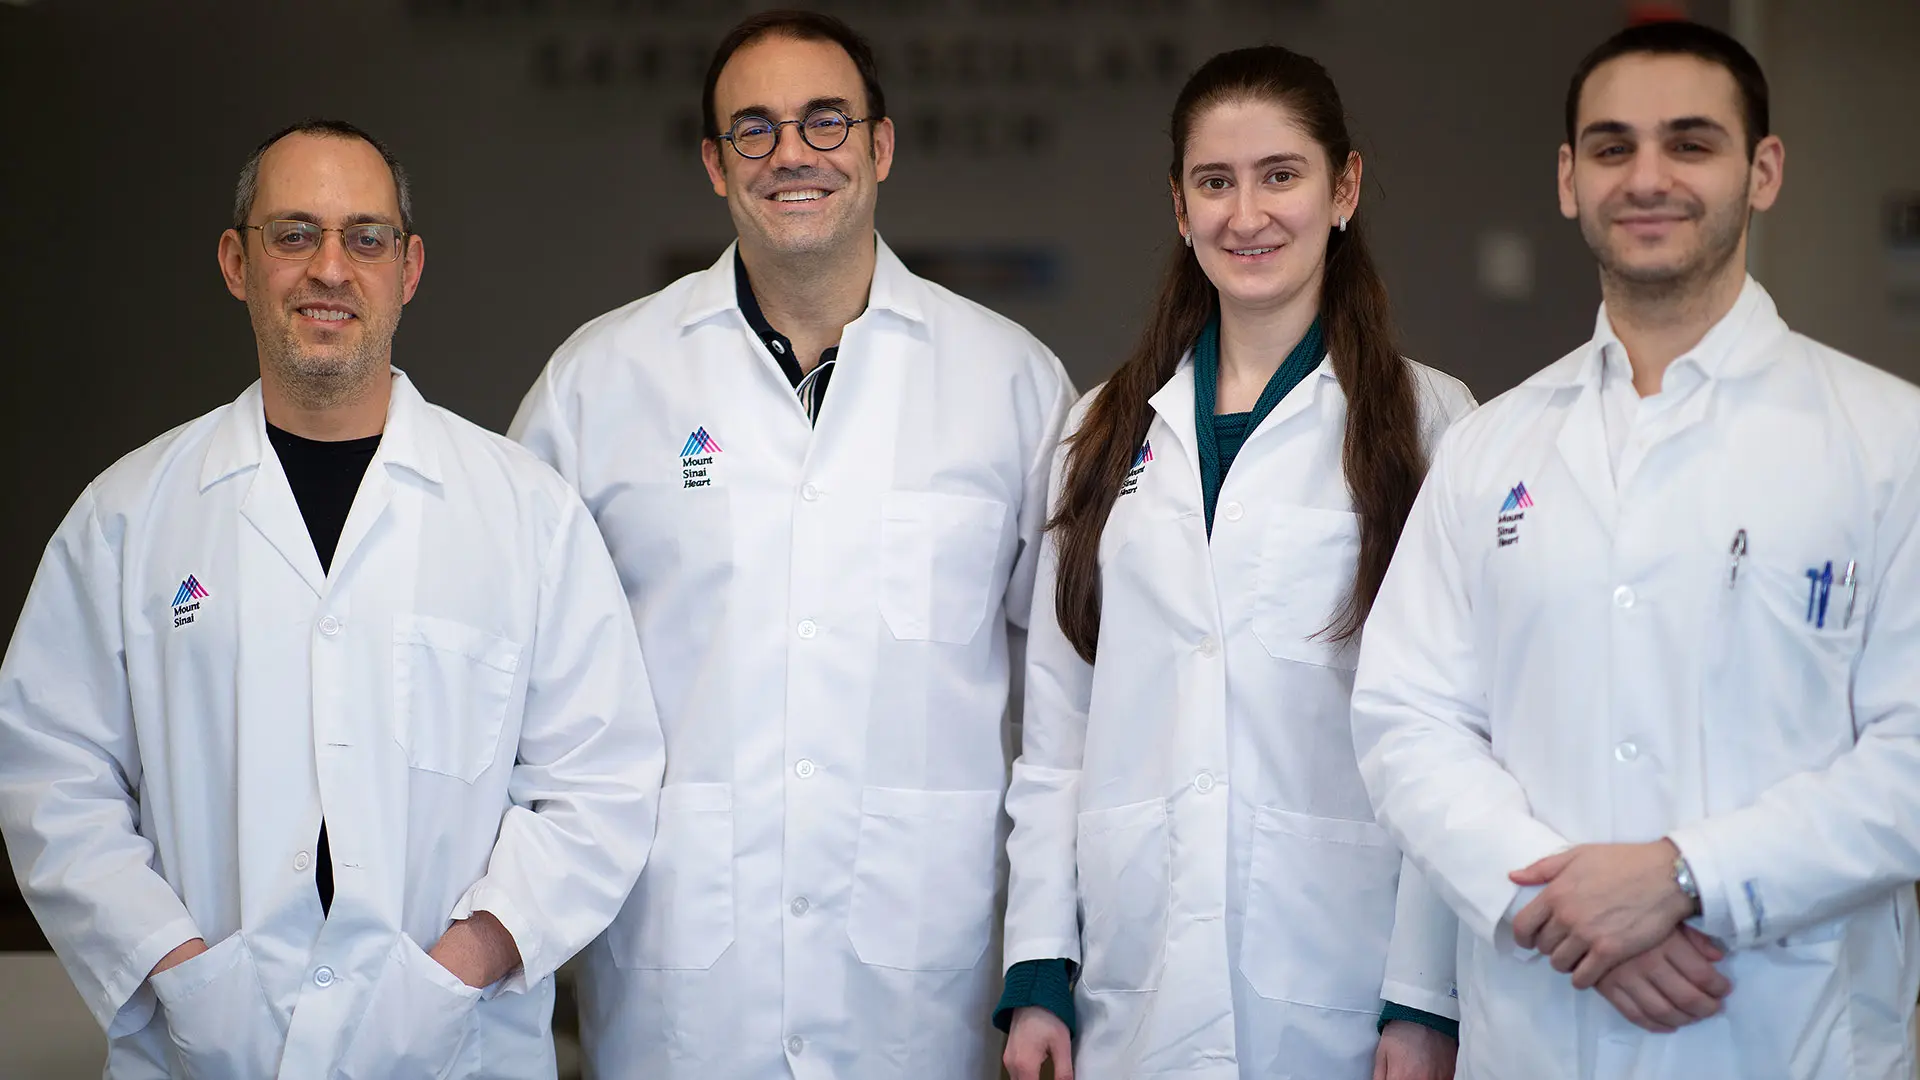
(416, 1021)
(217, 1014)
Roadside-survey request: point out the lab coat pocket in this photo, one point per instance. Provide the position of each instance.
(680, 915)
(924, 879)
(1779, 691)
(1307, 560)
(217, 1014)
(1320, 901)
(937, 558)
(1794, 1001)
(1125, 867)
(417, 1021)
(451, 687)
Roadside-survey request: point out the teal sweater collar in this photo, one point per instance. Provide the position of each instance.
(1300, 362)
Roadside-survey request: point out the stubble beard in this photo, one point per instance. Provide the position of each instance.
(322, 381)
(1720, 235)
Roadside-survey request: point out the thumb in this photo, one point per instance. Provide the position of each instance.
(1543, 871)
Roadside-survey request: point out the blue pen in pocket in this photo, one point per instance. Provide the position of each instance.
(1813, 591)
(1826, 587)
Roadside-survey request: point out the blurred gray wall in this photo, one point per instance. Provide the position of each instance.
(1845, 76)
(555, 177)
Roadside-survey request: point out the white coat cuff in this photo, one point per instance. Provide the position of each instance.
(494, 901)
(127, 1003)
(1719, 911)
(1019, 952)
(1503, 933)
(1423, 998)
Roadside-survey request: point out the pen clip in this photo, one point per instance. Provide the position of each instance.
(1852, 581)
(1734, 555)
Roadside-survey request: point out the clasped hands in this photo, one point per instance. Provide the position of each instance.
(1611, 916)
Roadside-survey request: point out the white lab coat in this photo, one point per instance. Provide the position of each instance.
(1598, 679)
(1189, 822)
(187, 691)
(826, 612)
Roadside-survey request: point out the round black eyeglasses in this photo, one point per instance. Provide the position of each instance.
(824, 129)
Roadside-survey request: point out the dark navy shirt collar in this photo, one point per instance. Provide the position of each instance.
(777, 343)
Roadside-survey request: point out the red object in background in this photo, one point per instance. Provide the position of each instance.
(1639, 14)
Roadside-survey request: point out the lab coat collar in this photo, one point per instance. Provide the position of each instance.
(1300, 398)
(1738, 345)
(408, 440)
(894, 288)
(1174, 402)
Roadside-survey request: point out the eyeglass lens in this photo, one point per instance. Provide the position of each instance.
(369, 242)
(823, 129)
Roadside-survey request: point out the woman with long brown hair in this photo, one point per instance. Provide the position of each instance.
(1191, 837)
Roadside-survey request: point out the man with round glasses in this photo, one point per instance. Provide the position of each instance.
(823, 481)
(324, 735)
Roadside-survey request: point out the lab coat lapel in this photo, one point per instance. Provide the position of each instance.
(408, 441)
(1174, 402)
(1301, 398)
(875, 395)
(268, 506)
(1583, 450)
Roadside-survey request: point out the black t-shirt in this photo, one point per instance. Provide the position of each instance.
(325, 477)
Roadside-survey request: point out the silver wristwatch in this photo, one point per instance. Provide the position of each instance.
(1683, 879)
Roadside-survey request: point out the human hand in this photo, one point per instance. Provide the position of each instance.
(1601, 904)
(181, 953)
(1410, 1051)
(1670, 985)
(1034, 1036)
(478, 950)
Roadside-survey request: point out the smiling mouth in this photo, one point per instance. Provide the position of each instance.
(803, 195)
(1249, 253)
(326, 314)
(1644, 220)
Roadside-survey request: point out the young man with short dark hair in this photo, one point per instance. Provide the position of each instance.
(1641, 694)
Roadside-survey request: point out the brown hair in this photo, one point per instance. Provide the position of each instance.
(1675, 37)
(1382, 455)
(793, 25)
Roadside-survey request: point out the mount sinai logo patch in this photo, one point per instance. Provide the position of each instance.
(187, 600)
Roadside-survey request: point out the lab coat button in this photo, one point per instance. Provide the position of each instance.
(323, 976)
(302, 861)
(1623, 597)
(1626, 751)
(807, 629)
(329, 625)
(803, 768)
(1209, 647)
(795, 1044)
(1203, 783)
(809, 492)
(799, 905)
(1233, 511)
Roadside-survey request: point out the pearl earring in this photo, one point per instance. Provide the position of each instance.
(1188, 237)
(1343, 223)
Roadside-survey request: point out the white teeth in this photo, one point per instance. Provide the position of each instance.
(799, 196)
(326, 314)
(1252, 251)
